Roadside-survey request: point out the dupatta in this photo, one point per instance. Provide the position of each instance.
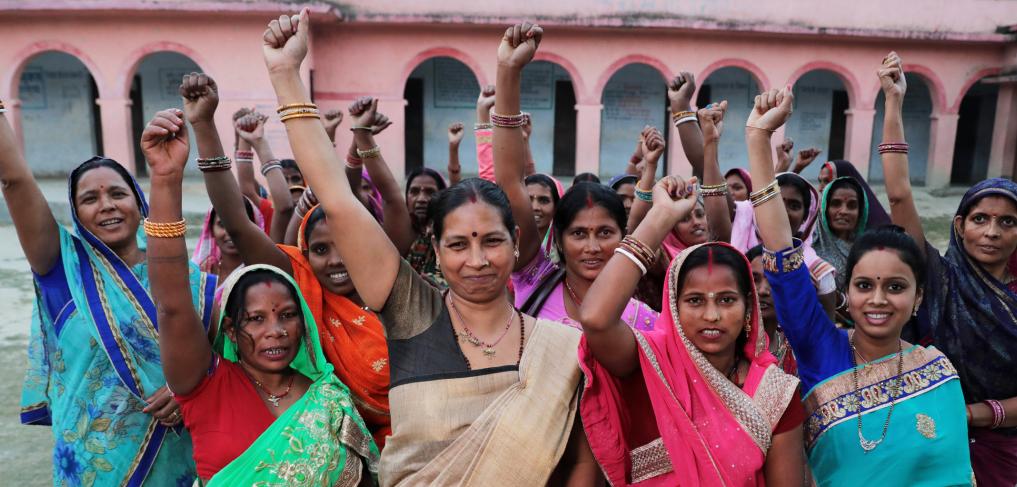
(710, 431)
(320, 439)
(828, 246)
(207, 254)
(878, 217)
(355, 344)
(91, 366)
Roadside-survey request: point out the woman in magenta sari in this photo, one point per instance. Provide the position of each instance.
(699, 400)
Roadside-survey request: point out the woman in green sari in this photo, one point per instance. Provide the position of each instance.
(263, 405)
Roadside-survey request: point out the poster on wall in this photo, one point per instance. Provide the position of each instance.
(454, 84)
(32, 90)
(537, 87)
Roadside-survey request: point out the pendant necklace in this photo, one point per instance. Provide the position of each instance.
(869, 445)
(487, 348)
(272, 398)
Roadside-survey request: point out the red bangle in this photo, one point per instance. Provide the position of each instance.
(895, 147)
(353, 162)
(998, 413)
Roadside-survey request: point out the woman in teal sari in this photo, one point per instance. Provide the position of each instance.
(93, 371)
(263, 404)
(880, 411)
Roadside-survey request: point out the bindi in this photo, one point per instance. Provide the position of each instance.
(474, 234)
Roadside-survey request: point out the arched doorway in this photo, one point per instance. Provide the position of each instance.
(634, 96)
(59, 118)
(975, 125)
(440, 91)
(154, 87)
(819, 121)
(547, 94)
(917, 113)
(739, 87)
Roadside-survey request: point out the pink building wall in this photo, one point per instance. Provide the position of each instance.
(370, 48)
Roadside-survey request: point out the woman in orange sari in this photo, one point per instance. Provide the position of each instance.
(352, 339)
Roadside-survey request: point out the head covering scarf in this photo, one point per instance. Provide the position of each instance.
(93, 364)
(622, 179)
(320, 439)
(355, 344)
(374, 201)
(673, 243)
(207, 254)
(828, 245)
(711, 431)
(878, 217)
(743, 174)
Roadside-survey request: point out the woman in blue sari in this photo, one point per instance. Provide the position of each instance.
(879, 411)
(94, 373)
(970, 307)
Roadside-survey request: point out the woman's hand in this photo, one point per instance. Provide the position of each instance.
(331, 119)
(251, 128)
(675, 196)
(163, 407)
(285, 42)
(711, 121)
(805, 157)
(519, 44)
(891, 77)
(680, 91)
(164, 143)
(363, 112)
(652, 145)
(455, 133)
(772, 110)
(201, 97)
(485, 101)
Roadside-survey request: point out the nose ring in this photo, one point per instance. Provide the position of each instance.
(285, 333)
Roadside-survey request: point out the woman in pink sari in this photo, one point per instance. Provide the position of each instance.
(711, 405)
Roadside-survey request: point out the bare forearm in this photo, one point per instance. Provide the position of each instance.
(167, 257)
(691, 137)
(903, 211)
(455, 170)
(640, 207)
(509, 160)
(282, 203)
(531, 165)
(718, 215)
(771, 218)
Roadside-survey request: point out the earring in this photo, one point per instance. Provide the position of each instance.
(748, 325)
(516, 253)
(915, 312)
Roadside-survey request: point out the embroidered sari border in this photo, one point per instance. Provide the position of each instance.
(137, 294)
(835, 400)
(36, 414)
(147, 454)
(64, 314)
(208, 284)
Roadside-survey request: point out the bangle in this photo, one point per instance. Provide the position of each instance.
(508, 121)
(634, 160)
(713, 189)
(896, 147)
(369, 153)
(243, 154)
(483, 126)
(638, 249)
(760, 128)
(646, 196)
(299, 115)
(270, 165)
(998, 413)
(354, 162)
(165, 230)
(679, 121)
(291, 106)
(360, 127)
(766, 194)
(635, 260)
(683, 114)
(213, 164)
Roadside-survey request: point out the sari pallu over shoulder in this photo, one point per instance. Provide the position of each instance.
(320, 439)
(710, 431)
(93, 363)
(520, 436)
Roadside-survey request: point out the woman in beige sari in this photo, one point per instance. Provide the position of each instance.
(480, 394)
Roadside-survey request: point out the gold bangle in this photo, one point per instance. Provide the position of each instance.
(681, 114)
(294, 111)
(165, 230)
(766, 190)
(296, 105)
(372, 152)
(759, 201)
(299, 115)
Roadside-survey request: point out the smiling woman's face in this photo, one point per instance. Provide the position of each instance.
(476, 252)
(107, 208)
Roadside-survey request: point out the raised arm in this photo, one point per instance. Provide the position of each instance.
(715, 201)
(306, 202)
(903, 211)
(252, 129)
(455, 136)
(183, 345)
(201, 97)
(805, 158)
(367, 252)
(611, 341)
(483, 134)
(784, 151)
(33, 220)
(634, 166)
(517, 48)
(245, 172)
(771, 111)
(530, 168)
(652, 145)
(679, 93)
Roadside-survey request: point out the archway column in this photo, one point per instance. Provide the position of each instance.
(588, 137)
(858, 137)
(1003, 154)
(115, 114)
(942, 137)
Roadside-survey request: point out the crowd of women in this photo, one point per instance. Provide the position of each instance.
(332, 329)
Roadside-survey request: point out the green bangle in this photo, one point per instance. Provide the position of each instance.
(646, 196)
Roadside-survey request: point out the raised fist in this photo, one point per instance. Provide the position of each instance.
(455, 133)
(285, 42)
(653, 144)
(251, 127)
(805, 157)
(331, 120)
(891, 77)
(364, 113)
(783, 162)
(519, 44)
(711, 120)
(680, 91)
(201, 97)
(527, 127)
(164, 143)
(772, 109)
(676, 196)
(486, 99)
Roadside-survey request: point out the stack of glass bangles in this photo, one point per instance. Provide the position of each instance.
(297, 110)
(768, 193)
(636, 251)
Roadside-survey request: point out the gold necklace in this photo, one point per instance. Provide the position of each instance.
(869, 445)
